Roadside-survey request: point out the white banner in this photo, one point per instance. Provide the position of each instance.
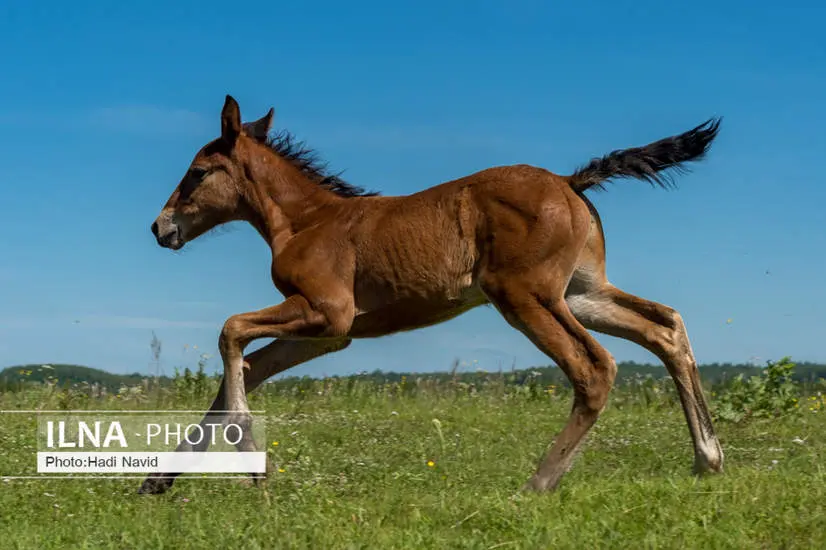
(233, 462)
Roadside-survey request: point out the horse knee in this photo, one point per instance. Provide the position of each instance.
(669, 339)
(592, 390)
(230, 334)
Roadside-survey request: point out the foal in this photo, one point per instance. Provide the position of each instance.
(351, 264)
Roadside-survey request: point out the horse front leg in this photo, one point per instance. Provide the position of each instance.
(262, 364)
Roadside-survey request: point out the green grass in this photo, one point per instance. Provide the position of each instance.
(356, 475)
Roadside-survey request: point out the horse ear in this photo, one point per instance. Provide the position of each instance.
(230, 121)
(260, 129)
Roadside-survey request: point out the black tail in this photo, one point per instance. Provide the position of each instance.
(650, 161)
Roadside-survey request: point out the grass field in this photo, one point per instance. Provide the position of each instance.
(367, 466)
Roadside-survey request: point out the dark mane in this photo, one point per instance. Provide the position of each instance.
(305, 159)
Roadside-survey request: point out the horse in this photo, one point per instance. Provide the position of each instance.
(352, 264)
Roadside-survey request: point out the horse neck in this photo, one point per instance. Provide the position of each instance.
(278, 197)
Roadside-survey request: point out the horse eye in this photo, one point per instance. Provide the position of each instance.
(197, 173)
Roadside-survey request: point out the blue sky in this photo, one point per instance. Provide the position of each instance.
(102, 109)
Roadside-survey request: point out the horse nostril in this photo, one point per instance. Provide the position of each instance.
(155, 228)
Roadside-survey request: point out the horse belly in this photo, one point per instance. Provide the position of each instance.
(414, 312)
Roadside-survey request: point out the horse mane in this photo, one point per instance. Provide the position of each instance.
(284, 144)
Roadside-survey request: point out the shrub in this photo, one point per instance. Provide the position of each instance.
(194, 386)
(769, 394)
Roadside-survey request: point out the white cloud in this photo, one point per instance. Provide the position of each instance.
(146, 119)
(103, 322)
(124, 321)
(414, 137)
(130, 118)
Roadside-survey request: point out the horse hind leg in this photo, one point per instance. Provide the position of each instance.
(549, 324)
(600, 306)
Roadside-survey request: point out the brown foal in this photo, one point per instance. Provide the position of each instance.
(353, 264)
